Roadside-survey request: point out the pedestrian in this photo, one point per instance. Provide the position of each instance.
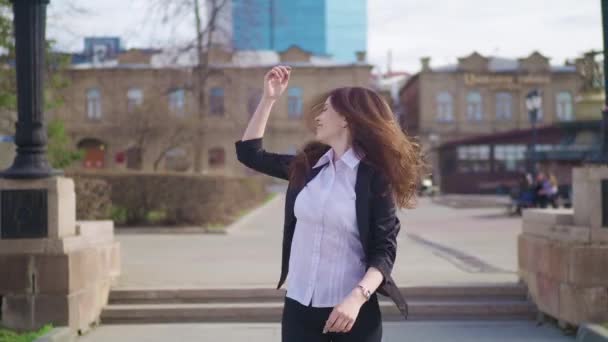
(543, 190)
(552, 190)
(341, 223)
(524, 196)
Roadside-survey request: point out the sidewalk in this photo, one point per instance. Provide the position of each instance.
(393, 332)
(438, 245)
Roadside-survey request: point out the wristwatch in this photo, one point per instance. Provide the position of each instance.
(366, 293)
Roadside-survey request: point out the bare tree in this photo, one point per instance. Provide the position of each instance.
(154, 129)
(178, 11)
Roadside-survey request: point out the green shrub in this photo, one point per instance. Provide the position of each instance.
(118, 215)
(93, 199)
(143, 198)
(11, 336)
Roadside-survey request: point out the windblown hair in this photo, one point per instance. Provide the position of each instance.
(376, 137)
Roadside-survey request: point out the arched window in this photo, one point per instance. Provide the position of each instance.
(563, 106)
(177, 101)
(176, 159)
(445, 111)
(135, 98)
(474, 106)
(94, 103)
(216, 101)
(217, 157)
(504, 106)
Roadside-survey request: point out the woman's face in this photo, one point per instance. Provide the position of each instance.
(329, 124)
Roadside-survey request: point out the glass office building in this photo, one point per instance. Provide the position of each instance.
(322, 27)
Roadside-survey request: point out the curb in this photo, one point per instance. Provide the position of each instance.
(62, 334)
(168, 231)
(592, 333)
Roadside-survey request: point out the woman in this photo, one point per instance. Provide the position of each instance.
(341, 224)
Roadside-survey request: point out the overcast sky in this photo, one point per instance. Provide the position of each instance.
(441, 29)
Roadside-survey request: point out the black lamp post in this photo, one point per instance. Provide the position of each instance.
(604, 143)
(533, 104)
(30, 138)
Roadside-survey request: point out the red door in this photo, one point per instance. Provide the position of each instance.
(94, 158)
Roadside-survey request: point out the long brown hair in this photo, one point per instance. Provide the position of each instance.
(376, 137)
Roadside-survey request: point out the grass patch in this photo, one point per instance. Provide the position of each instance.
(156, 216)
(605, 325)
(216, 229)
(270, 196)
(118, 215)
(11, 336)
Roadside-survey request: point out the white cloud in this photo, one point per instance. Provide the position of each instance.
(446, 30)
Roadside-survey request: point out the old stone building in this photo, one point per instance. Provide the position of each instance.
(484, 95)
(481, 95)
(138, 113)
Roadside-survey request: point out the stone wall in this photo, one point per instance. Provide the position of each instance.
(563, 254)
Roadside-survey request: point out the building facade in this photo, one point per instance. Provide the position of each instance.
(321, 27)
(134, 115)
(484, 95)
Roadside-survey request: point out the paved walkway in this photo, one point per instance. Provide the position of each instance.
(393, 332)
(438, 245)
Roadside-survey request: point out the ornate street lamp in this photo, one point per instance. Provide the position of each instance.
(29, 24)
(534, 103)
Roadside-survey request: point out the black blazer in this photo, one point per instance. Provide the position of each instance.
(375, 210)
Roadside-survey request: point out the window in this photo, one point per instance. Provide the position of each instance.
(511, 158)
(474, 106)
(253, 98)
(135, 98)
(217, 157)
(176, 159)
(177, 101)
(94, 103)
(216, 101)
(563, 106)
(294, 102)
(444, 107)
(473, 158)
(503, 106)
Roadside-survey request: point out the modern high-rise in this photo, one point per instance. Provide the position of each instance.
(321, 27)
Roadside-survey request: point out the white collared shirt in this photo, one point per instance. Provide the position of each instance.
(327, 259)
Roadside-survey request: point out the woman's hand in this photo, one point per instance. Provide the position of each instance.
(275, 81)
(344, 315)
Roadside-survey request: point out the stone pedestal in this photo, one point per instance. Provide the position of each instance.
(563, 254)
(63, 278)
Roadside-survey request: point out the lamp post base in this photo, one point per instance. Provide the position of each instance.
(30, 167)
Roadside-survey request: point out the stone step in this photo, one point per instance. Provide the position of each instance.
(236, 295)
(271, 312)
